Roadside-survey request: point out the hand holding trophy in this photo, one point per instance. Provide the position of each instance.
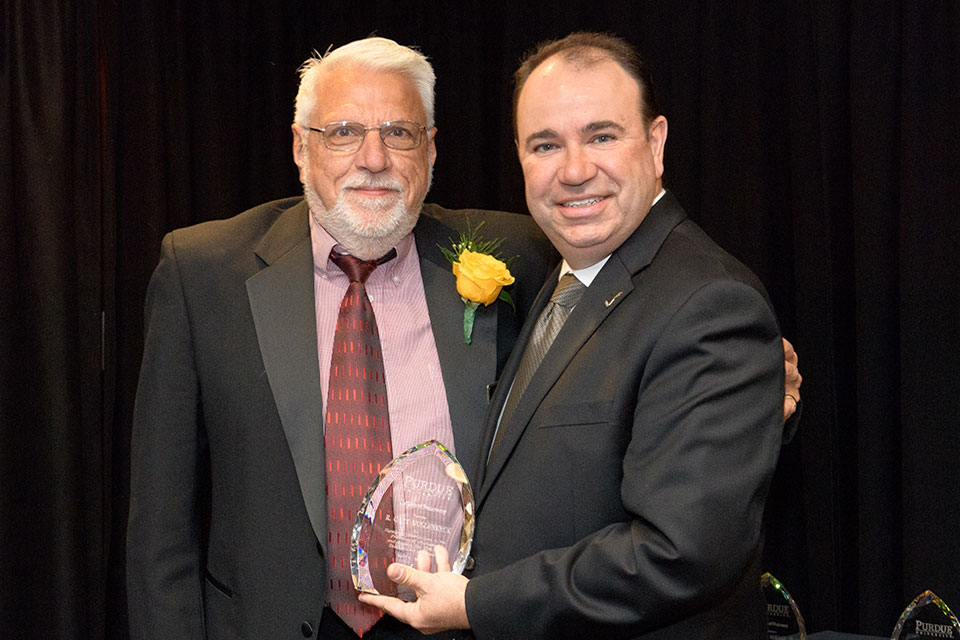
(421, 499)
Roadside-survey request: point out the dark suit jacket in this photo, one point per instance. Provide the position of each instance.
(626, 497)
(227, 519)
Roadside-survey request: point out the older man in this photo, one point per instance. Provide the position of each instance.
(232, 533)
(636, 429)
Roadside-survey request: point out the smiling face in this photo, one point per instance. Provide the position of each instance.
(370, 198)
(590, 165)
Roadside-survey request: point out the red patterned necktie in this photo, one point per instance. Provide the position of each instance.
(356, 436)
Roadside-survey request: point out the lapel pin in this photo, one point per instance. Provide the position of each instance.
(609, 302)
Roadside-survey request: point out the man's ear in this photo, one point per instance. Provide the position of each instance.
(299, 148)
(657, 139)
(432, 146)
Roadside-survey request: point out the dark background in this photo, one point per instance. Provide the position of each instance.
(816, 141)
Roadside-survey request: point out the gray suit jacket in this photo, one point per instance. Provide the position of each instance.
(625, 500)
(227, 519)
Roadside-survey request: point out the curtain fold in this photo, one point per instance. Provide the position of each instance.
(54, 470)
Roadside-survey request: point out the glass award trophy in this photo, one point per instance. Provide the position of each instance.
(926, 617)
(421, 499)
(783, 616)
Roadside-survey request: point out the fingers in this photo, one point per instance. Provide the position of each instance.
(402, 574)
(440, 603)
(791, 369)
(395, 607)
(423, 560)
(789, 353)
(789, 407)
(792, 380)
(443, 557)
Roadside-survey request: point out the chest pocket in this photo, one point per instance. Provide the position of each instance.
(574, 414)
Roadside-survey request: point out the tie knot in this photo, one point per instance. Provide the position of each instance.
(356, 269)
(568, 292)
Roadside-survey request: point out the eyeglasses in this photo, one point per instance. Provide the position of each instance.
(349, 136)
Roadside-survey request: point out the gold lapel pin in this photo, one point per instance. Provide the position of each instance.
(610, 301)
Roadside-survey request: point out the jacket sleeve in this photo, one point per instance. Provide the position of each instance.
(163, 535)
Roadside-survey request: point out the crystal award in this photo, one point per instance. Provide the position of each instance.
(783, 616)
(926, 617)
(421, 499)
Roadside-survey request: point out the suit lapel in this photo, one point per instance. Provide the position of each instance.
(612, 285)
(283, 307)
(466, 368)
(610, 288)
(509, 373)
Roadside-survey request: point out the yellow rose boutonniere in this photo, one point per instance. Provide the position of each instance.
(480, 277)
(481, 274)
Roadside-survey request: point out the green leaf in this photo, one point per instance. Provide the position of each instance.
(469, 313)
(506, 298)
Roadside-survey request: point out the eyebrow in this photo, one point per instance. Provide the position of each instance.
(543, 133)
(602, 124)
(588, 128)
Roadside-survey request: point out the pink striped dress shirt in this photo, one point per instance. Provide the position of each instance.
(416, 397)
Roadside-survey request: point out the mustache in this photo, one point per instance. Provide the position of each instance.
(372, 180)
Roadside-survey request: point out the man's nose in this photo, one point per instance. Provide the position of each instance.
(577, 167)
(372, 154)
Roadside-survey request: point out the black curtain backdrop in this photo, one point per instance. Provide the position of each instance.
(816, 141)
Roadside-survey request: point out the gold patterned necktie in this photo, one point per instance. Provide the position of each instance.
(565, 297)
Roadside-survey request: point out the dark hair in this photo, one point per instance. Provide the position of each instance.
(588, 48)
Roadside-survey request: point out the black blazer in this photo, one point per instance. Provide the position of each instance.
(227, 519)
(625, 500)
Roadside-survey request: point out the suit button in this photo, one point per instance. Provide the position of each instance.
(306, 629)
(471, 563)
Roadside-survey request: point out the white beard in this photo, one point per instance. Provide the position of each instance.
(371, 229)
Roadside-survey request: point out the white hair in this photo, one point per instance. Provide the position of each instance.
(375, 54)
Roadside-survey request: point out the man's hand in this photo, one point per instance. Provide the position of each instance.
(791, 397)
(440, 603)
